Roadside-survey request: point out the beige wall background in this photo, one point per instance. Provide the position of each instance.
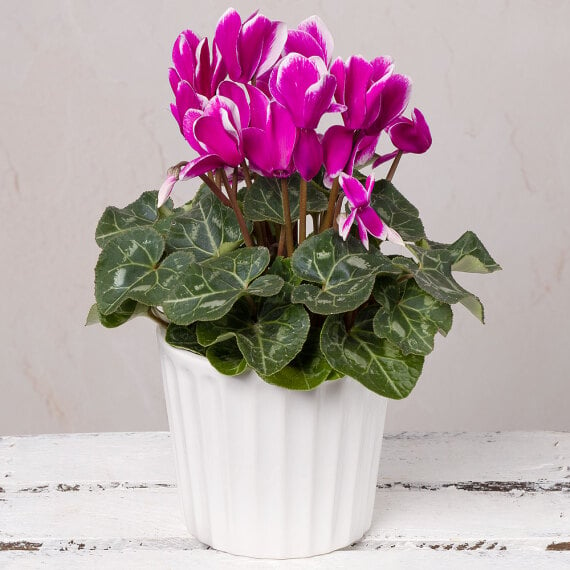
(85, 123)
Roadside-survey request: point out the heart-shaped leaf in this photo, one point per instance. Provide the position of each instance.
(126, 268)
(207, 291)
(208, 229)
(468, 254)
(344, 271)
(129, 268)
(226, 357)
(129, 309)
(375, 363)
(433, 275)
(410, 318)
(184, 338)
(396, 211)
(268, 341)
(115, 221)
(307, 370)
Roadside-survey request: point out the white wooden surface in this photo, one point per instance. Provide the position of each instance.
(499, 500)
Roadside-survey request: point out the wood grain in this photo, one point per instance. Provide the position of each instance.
(442, 499)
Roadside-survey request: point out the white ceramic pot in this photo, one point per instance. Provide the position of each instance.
(268, 472)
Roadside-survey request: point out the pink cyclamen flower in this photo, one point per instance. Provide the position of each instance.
(311, 38)
(250, 48)
(269, 145)
(367, 218)
(216, 134)
(411, 135)
(408, 136)
(305, 88)
(196, 74)
(373, 96)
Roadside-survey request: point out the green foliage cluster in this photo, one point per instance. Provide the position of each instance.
(332, 309)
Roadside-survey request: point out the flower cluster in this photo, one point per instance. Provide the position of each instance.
(253, 98)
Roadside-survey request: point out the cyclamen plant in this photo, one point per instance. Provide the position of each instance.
(276, 264)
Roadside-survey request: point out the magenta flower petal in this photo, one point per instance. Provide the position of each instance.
(201, 165)
(362, 233)
(384, 158)
(314, 27)
(308, 154)
(411, 136)
(270, 149)
(273, 44)
(311, 38)
(190, 117)
(303, 44)
(283, 134)
(358, 72)
(382, 67)
(337, 148)
(184, 55)
(257, 151)
(338, 71)
(365, 149)
(226, 39)
(166, 190)
(289, 83)
(216, 135)
(250, 45)
(237, 93)
(344, 228)
(353, 190)
(369, 218)
(369, 186)
(395, 97)
(258, 105)
(318, 99)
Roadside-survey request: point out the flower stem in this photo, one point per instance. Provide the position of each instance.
(337, 210)
(215, 189)
(394, 166)
(327, 222)
(281, 246)
(232, 191)
(303, 211)
(258, 229)
(246, 174)
(287, 217)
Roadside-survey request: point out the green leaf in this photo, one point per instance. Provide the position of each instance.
(307, 370)
(433, 275)
(208, 229)
(226, 358)
(115, 221)
(126, 311)
(268, 342)
(126, 268)
(207, 291)
(397, 211)
(375, 363)
(184, 337)
(410, 318)
(468, 254)
(344, 273)
(263, 199)
(266, 286)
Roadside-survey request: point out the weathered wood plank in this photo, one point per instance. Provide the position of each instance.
(113, 495)
(151, 519)
(211, 560)
(410, 458)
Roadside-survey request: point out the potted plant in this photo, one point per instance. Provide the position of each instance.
(276, 273)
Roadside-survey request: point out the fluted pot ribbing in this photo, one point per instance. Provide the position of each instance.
(267, 472)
